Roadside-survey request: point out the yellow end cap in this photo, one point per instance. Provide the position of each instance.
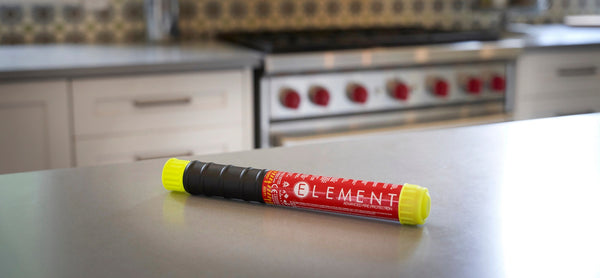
(413, 205)
(172, 174)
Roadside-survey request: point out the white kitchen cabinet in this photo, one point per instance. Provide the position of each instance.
(124, 119)
(34, 126)
(554, 82)
(91, 121)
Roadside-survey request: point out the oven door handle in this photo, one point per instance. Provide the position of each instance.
(299, 138)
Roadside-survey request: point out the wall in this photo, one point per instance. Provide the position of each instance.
(119, 21)
(122, 21)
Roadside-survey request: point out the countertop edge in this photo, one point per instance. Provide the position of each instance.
(101, 71)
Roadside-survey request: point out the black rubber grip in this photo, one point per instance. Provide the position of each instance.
(210, 179)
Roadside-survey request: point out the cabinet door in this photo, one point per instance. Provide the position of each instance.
(34, 126)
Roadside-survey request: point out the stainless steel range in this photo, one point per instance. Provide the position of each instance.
(327, 85)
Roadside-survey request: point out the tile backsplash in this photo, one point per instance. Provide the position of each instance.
(122, 21)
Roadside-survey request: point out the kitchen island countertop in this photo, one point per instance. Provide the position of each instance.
(509, 199)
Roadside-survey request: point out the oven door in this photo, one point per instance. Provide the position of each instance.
(306, 131)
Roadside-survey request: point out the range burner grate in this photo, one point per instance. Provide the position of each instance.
(339, 39)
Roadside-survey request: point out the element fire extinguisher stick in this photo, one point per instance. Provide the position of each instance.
(407, 203)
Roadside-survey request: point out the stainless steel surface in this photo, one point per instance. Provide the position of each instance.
(376, 81)
(389, 119)
(419, 68)
(381, 110)
(403, 124)
(472, 51)
(161, 19)
(65, 61)
(514, 199)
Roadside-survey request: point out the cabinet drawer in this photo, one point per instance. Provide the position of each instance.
(553, 107)
(117, 104)
(553, 85)
(143, 146)
(551, 60)
(561, 74)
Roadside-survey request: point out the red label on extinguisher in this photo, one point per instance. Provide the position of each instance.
(364, 198)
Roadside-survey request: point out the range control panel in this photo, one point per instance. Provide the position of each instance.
(325, 94)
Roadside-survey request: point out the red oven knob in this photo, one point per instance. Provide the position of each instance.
(399, 90)
(498, 84)
(473, 86)
(440, 88)
(290, 98)
(358, 93)
(319, 96)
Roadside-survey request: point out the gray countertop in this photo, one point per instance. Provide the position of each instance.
(65, 61)
(556, 35)
(511, 199)
(62, 61)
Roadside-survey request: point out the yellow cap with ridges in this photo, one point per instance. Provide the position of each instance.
(413, 205)
(172, 174)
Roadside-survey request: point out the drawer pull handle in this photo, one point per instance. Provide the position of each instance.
(572, 72)
(587, 111)
(147, 157)
(161, 102)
